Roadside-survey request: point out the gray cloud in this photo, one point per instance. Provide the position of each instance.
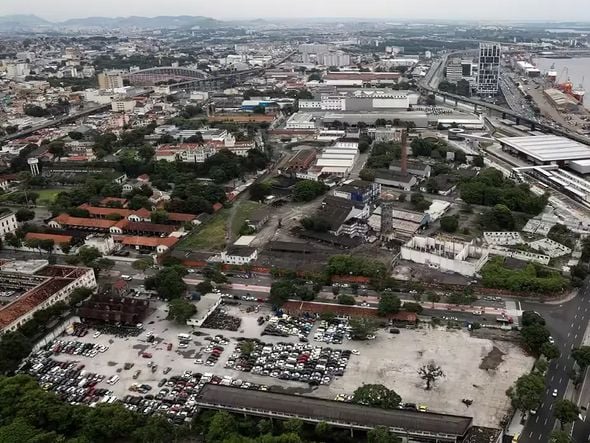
(234, 9)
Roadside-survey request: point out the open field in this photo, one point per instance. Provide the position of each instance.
(243, 212)
(211, 236)
(477, 369)
(47, 196)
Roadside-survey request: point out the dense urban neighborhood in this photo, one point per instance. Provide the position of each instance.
(293, 231)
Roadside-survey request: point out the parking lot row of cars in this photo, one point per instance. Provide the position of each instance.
(215, 348)
(77, 348)
(69, 380)
(285, 326)
(290, 361)
(334, 332)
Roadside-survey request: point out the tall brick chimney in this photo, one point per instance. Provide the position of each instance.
(404, 154)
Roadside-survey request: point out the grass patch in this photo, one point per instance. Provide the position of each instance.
(210, 237)
(47, 196)
(243, 212)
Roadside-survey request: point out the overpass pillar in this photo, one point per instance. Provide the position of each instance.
(444, 98)
(517, 120)
(475, 108)
(532, 126)
(503, 115)
(351, 433)
(456, 101)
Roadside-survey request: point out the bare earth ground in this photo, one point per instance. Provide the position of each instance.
(392, 360)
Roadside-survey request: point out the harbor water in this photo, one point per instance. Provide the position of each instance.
(578, 72)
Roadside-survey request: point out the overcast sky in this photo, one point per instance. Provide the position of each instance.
(235, 9)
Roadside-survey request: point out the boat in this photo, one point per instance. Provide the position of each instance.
(579, 93)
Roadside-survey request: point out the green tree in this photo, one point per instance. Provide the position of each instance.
(23, 215)
(323, 429)
(527, 392)
(307, 190)
(221, 427)
(566, 412)
(293, 426)
(560, 437)
(88, 255)
(57, 148)
(259, 191)
(78, 295)
(367, 174)
(362, 327)
(157, 429)
(205, 287)
(159, 217)
(413, 307)
(142, 264)
(449, 223)
(14, 346)
(74, 135)
(168, 282)
(180, 310)
(381, 434)
(388, 304)
(534, 337)
(377, 396)
(551, 351)
(345, 299)
(582, 356)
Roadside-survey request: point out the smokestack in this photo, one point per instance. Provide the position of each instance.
(404, 155)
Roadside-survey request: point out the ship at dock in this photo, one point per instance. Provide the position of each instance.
(567, 87)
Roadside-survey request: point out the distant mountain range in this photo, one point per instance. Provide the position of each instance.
(11, 23)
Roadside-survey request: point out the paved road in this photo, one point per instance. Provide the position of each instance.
(567, 323)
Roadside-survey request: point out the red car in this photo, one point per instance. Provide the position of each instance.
(146, 355)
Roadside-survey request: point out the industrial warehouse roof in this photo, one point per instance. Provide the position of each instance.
(548, 148)
(223, 397)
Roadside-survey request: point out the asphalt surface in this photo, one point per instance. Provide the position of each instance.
(567, 323)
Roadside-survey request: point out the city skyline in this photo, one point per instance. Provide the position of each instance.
(524, 10)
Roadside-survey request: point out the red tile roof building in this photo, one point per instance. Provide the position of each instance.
(42, 287)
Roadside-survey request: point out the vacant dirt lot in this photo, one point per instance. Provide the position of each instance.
(394, 360)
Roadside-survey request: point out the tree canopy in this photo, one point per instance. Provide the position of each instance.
(180, 310)
(168, 282)
(388, 304)
(527, 392)
(377, 396)
(490, 188)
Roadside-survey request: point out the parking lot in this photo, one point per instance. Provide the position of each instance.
(291, 357)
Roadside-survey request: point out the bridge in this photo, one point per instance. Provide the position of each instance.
(502, 111)
(153, 76)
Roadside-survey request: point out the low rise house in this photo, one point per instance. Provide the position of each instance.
(239, 255)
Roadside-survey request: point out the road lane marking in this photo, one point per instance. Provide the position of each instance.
(575, 316)
(552, 377)
(546, 421)
(530, 434)
(537, 419)
(568, 334)
(572, 346)
(560, 378)
(579, 308)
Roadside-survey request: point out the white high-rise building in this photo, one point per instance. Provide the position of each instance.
(489, 69)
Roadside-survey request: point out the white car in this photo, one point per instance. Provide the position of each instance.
(355, 352)
(551, 340)
(554, 393)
